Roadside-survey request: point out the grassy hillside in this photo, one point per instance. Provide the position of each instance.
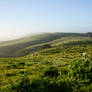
(19, 47)
(66, 66)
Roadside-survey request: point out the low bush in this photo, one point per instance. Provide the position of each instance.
(51, 72)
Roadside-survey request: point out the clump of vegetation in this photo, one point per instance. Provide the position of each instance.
(22, 85)
(21, 63)
(51, 72)
(62, 68)
(76, 76)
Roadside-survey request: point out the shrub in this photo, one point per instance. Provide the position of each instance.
(10, 74)
(13, 66)
(86, 89)
(51, 72)
(22, 85)
(22, 63)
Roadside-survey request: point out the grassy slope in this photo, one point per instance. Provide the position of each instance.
(63, 55)
(17, 47)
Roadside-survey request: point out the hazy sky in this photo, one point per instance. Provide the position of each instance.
(20, 17)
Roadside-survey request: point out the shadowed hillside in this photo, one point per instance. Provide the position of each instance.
(11, 48)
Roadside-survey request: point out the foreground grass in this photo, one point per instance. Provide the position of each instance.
(57, 69)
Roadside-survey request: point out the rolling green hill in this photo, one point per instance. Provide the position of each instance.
(24, 45)
(55, 62)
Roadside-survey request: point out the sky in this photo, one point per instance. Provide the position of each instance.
(21, 17)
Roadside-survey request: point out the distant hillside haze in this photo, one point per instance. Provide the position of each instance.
(25, 44)
(16, 36)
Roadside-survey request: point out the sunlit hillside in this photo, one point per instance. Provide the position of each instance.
(16, 47)
(48, 63)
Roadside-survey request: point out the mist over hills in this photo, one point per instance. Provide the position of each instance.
(24, 45)
(45, 45)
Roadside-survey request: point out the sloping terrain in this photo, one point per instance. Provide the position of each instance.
(17, 47)
(65, 66)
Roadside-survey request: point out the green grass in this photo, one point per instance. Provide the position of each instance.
(15, 48)
(61, 68)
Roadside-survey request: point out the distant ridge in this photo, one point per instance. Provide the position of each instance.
(10, 48)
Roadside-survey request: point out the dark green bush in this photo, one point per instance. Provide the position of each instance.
(22, 63)
(10, 74)
(22, 85)
(51, 72)
(12, 66)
